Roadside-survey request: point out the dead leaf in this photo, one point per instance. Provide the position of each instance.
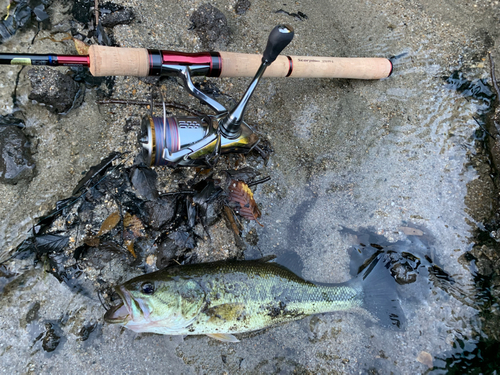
(81, 47)
(133, 224)
(203, 171)
(426, 359)
(130, 247)
(92, 241)
(241, 195)
(109, 223)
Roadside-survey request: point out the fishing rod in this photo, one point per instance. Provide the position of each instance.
(142, 62)
(200, 140)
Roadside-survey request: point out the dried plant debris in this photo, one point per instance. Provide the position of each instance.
(299, 16)
(81, 47)
(118, 225)
(96, 172)
(133, 226)
(143, 180)
(246, 174)
(204, 204)
(21, 14)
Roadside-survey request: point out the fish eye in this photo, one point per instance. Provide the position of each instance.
(148, 288)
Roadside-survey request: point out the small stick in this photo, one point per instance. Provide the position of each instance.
(232, 220)
(261, 181)
(175, 260)
(96, 11)
(482, 127)
(493, 77)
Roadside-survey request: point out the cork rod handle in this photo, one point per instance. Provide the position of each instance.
(118, 61)
(245, 65)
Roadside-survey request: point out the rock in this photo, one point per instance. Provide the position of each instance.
(120, 17)
(16, 162)
(210, 24)
(242, 6)
(59, 92)
(51, 339)
(403, 275)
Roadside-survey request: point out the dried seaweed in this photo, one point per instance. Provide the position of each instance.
(234, 226)
(96, 172)
(144, 181)
(49, 243)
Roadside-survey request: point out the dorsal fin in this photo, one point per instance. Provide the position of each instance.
(266, 258)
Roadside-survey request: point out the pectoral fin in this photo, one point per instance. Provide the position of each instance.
(225, 337)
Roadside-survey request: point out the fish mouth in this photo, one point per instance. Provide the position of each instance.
(121, 313)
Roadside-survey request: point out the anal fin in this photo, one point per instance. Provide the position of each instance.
(225, 337)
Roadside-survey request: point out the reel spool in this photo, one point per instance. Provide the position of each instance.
(173, 133)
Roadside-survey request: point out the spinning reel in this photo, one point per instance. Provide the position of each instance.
(193, 140)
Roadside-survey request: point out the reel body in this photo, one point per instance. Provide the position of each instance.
(189, 140)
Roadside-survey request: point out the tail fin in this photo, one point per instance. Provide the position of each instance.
(379, 294)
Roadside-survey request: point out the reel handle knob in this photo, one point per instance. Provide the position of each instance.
(279, 38)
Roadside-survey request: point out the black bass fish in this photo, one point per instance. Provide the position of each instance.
(224, 298)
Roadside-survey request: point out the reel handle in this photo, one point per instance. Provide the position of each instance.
(279, 38)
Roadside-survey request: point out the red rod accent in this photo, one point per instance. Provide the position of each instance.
(73, 60)
(184, 58)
